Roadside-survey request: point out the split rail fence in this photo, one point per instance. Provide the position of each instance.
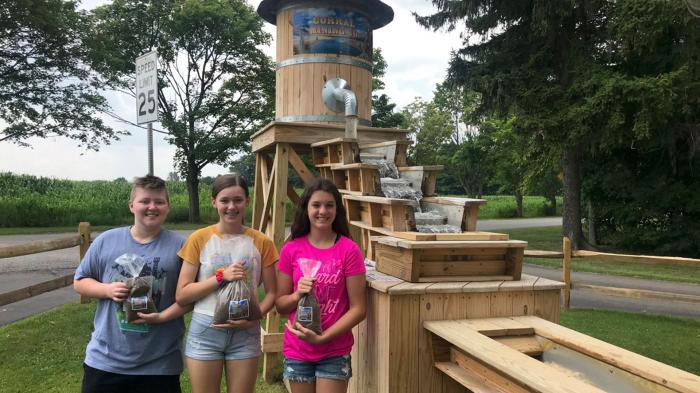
(82, 239)
(566, 255)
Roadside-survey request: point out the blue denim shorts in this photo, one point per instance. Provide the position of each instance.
(331, 368)
(208, 343)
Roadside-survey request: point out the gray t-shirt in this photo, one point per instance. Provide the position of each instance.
(116, 346)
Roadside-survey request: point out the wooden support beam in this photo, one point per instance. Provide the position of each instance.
(647, 259)
(36, 289)
(566, 271)
(293, 196)
(258, 191)
(278, 192)
(36, 247)
(84, 233)
(267, 206)
(304, 173)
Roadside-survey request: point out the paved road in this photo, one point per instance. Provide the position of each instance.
(23, 271)
(517, 223)
(586, 298)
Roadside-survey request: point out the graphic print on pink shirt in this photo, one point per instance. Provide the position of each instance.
(328, 277)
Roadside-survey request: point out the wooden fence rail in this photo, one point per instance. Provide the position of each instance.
(567, 254)
(82, 239)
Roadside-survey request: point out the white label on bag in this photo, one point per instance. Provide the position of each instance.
(238, 309)
(139, 303)
(305, 314)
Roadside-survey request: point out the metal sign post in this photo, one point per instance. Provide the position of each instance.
(147, 97)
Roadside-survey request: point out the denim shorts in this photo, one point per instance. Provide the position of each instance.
(208, 343)
(331, 368)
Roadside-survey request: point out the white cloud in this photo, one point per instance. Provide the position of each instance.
(417, 60)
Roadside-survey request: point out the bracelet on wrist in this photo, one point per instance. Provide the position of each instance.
(220, 276)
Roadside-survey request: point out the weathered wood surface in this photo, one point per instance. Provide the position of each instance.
(528, 372)
(16, 250)
(634, 363)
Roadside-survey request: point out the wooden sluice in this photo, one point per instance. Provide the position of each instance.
(446, 312)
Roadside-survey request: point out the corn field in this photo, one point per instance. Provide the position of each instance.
(29, 201)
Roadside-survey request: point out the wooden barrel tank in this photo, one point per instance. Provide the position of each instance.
(318, 41)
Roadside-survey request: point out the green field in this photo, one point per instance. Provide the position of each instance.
(44, 353)
(34, 202)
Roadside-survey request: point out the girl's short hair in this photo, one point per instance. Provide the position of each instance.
(301, 225)
(229, 180)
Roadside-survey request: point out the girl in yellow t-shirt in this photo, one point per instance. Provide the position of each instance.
(213, 257)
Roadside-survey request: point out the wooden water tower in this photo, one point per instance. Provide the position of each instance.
(324, 51)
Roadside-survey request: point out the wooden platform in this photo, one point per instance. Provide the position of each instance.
(302, 135)
(437, 261)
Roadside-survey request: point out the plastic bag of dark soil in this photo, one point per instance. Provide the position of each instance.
(139, 298)
(308, 311)
(234, 302)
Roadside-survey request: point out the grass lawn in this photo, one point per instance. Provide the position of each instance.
(670, 340)
(549, 238)
(44, 353)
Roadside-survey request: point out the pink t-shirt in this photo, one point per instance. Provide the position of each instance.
(341, 260)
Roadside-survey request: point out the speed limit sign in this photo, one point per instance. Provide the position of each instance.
(147, 88)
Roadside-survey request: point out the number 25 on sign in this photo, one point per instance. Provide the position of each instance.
(147, 88)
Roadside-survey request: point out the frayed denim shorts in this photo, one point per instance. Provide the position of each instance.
(208, 343)
(331, 368)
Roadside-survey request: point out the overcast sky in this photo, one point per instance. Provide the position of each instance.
(416, 58)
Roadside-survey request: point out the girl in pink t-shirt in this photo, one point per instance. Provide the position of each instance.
(313, 362)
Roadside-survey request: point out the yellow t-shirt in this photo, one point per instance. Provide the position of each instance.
(208, 249)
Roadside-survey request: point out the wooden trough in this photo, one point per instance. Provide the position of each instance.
(421, 178)
(392, 351)
(392, 214)
(437, 261)
(392, 151)
(460, 212)
(524, 354)
(335, 151)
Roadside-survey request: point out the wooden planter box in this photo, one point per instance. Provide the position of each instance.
(437, 261)
(393, 214)
(335, 151)
(460, 212)
(357, 179)
(393, 151)
(422, 178)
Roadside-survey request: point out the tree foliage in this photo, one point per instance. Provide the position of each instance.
(215, 86)
(44, 89)
(589, 81)
(383, 110)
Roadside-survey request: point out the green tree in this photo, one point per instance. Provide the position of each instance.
(532, 59)
(383, 110)
(585, 80)
(215, 86)
(44, 89)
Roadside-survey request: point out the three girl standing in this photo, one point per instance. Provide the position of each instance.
(229, 251)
